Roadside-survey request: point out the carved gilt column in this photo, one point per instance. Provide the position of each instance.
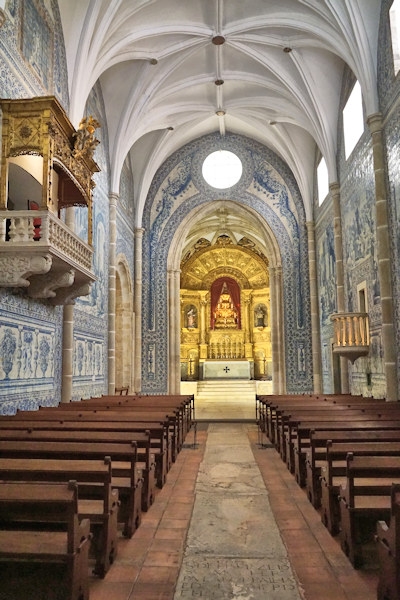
(203, 343)
(383, 255)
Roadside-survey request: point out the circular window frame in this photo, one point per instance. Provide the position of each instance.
(226, 160)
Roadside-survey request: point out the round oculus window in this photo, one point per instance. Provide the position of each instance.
(222, 169)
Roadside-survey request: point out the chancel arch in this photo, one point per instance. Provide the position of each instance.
(176, 216)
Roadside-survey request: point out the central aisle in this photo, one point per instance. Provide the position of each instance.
(234, 549)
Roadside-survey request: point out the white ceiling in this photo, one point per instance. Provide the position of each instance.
(287, 100)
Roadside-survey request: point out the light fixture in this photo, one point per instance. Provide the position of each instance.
(220, 113)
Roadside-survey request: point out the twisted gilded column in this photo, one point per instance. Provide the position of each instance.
(68, 332)
(315, 330)
(383, 256)
(137, 375)
(338, 242)
(203, 304)
(113, 198)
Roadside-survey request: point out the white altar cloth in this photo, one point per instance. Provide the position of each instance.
(226, 369)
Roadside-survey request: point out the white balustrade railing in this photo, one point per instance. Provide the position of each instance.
(42, 228)
(351, 333)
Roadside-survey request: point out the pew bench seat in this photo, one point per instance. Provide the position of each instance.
(388, 542)
(94, 484)
(365, 499)
(40, 526)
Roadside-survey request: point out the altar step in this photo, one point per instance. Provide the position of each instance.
(232, 400)
(226, 389)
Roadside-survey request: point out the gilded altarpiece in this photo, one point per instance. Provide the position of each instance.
(225, 308)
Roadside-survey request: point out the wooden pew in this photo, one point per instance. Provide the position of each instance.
(161, 442)
(287, 420)
(146, 454)
(287, 432)
(316, 453)
(388, 542)
(268, 405)
(302, 429)
(364, 500)
(333, 473)
(172, 416)
(184, 405)
(39, 525)
(97, 501)
(126, 476)
(128, 417)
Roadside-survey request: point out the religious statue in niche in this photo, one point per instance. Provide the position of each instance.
(191, 317)
(260, 316)
(225, 316)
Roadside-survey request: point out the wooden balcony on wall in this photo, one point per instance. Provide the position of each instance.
(351, 335)
(46, 168)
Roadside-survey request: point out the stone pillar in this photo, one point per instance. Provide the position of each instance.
(173, 331)
(281, 331)
(334, 188)
(67, 353)
(68, 332)
(315, 329)
(278, 363)
(384, 259)
(112, 290)
(137, 385)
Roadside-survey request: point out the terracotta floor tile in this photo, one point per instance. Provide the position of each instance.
(149, 591)
(104, 590)
(167, 533)
(158, 575)
(162, 558)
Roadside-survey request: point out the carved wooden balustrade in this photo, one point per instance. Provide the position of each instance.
(351, 335)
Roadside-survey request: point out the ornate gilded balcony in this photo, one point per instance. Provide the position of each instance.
(46, 168)
(40, 253)
(351, 335)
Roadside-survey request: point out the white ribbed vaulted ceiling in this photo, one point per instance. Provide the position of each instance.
(281, 63)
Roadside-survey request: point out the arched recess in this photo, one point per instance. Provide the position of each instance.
(271, 249)
(124, 334)
(178, 191)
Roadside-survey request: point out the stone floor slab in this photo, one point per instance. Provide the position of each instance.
(234, 549)
(220, 578)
